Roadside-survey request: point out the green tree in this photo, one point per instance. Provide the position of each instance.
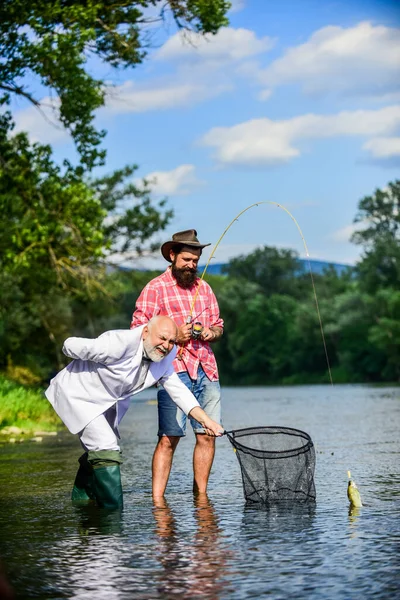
(52, 42)
(132, 217)
(51, 221)
(384, 332)
(349, 317)
(56, 231)
(233, 297)
(380, 237)
(262, 345)
(275, 271)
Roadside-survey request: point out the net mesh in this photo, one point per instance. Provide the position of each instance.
(277, 464)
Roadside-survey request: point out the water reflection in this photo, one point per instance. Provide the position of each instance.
(197, 567)
(93, 520)
(90, 554)
(354, 515)
(280, 517)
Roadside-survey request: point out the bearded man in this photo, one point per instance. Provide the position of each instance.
(191, 303)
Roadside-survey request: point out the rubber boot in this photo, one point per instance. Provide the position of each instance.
(107, 487)
(82, 492)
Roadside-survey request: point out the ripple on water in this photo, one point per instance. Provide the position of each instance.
(214, 548)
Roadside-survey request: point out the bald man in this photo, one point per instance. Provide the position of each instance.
(92, 394)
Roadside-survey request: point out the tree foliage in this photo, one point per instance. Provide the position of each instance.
(276, 271)
(53, 224)
(58, 226)
(380, 237)
(54, 41)
(133, 218)
(56, 230)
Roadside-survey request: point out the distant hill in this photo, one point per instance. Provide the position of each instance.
(317, 267)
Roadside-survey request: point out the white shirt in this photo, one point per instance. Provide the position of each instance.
(107, 370)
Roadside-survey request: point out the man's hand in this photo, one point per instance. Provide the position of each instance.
(207, 334)
(210, 427)
(184, 333)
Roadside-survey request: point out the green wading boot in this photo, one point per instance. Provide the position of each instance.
(82, 492)
(107, 487)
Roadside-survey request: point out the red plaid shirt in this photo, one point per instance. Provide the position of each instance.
(163, 296)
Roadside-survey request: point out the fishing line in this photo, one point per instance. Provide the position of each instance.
(308, 261)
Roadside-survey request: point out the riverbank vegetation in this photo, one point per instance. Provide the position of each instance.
(25, 409)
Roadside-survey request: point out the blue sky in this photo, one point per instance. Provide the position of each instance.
(296, 102)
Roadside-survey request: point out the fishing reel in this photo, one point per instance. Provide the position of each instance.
(197, 328)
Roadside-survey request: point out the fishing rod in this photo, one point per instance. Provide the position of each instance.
(308, 261)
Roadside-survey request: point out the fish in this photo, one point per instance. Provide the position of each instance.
(352, 493)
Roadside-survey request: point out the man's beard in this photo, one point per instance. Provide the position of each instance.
(154, 353)
(185, 277)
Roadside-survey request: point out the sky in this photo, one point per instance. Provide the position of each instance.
(296, 103)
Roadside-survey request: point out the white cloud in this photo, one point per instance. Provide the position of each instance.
(236, 5)
(131, 98)
(361, 59)
(264, 95)
(383, 147)
(179, 181)
(265, 142)
(226, 46)
(344, 234)
(205, 67)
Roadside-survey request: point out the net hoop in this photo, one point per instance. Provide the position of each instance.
(270, 430)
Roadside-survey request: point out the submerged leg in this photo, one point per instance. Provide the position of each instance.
(162, 463)
(203, 458)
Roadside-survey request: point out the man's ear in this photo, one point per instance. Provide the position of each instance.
(172, 255)
(145, 332)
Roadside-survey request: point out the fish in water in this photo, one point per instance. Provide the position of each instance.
(352, 492)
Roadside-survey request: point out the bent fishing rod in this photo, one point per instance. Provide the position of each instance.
(189, 318)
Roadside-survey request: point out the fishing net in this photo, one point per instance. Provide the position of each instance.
(277, 464)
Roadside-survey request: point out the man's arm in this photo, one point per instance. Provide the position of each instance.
(106, 349)
(210, 427)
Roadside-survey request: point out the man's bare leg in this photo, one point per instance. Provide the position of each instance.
(203, 457)
(162, 463)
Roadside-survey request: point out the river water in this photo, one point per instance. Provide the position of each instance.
(216, 547)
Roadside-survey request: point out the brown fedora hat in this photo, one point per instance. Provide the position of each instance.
(182, 238)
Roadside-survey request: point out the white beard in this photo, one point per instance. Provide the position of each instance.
(152, 352)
